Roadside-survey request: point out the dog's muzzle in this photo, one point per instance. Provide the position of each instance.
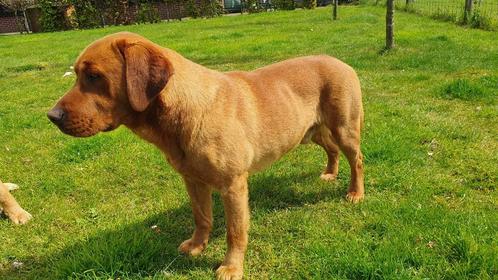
(56, 115)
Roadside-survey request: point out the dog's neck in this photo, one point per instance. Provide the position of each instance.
(175, 117)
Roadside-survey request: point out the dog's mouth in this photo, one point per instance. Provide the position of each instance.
(77, 131)
(83, 129)
(109, 127)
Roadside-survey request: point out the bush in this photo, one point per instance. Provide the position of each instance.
(211, 8)
(147, 13)
(252, 6)
(309, 4)
(52, 15)
(285, 4)
(85, 14)
(479, 21)
(206, 8)
(192, 9)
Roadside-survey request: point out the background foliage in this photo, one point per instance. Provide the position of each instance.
(429, 141)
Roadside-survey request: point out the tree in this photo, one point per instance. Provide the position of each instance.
(334, 9)
(390, 24)
(19, 5)
(468, 11)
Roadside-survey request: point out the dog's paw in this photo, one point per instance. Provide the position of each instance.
(18, 216)
(229, 272)
(328, 177)
(354, 197)
(191, 248)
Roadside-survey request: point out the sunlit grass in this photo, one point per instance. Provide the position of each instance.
(430, 160)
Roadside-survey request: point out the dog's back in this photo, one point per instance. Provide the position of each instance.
(292, 99)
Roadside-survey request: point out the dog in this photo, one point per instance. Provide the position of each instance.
(216, 128)
(10, 207)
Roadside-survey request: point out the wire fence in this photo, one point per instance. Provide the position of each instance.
(477, 13)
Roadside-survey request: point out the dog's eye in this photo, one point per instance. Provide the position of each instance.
(92, 77)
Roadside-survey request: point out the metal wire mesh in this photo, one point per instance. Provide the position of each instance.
(489, 9)
(484, 12)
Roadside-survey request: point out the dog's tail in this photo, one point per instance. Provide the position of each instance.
(11, 186)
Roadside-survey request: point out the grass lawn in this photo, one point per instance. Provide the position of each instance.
(430, 144)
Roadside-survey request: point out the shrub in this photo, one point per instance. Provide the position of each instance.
(252, 6)
(211, 8)
(479, 21)
(192, 9)
(206, 8)
(285, 4)
(85, 14)
(309, 4)
(52, 15)
(147, 13)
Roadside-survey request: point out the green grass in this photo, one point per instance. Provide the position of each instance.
(483, 89)
(430, 160)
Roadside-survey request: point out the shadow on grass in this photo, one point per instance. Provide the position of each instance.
(149, 247)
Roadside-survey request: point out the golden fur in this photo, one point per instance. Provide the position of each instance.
(216, 128)
(10, 207)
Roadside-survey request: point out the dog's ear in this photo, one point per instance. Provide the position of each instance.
(147, 72)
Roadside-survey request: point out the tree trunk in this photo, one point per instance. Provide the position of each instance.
(408, 4)
(101, 12)
(390, 25)
(336, 3)
(468, 11)
(167, 10)
(19, 25)
(26, 22)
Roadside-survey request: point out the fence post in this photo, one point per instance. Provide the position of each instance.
(336, 3)
(390, 24)
(468, 11)
(408, 2)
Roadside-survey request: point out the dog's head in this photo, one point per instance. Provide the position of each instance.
(116, 76)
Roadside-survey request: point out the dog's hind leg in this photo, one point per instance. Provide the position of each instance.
(342, 113)
(324, 138)
(348, 140)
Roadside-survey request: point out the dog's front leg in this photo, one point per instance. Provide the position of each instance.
(236, 203)
(201, 200)
(11, 208)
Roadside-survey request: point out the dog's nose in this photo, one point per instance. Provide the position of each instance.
(56, 115)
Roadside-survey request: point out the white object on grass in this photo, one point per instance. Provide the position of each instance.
(11, 186)
(67, 74)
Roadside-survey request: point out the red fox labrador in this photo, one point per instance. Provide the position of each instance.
(216, 128)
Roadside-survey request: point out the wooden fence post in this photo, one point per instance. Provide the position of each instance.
(336, 3)
(390, 24)
(468, 11)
